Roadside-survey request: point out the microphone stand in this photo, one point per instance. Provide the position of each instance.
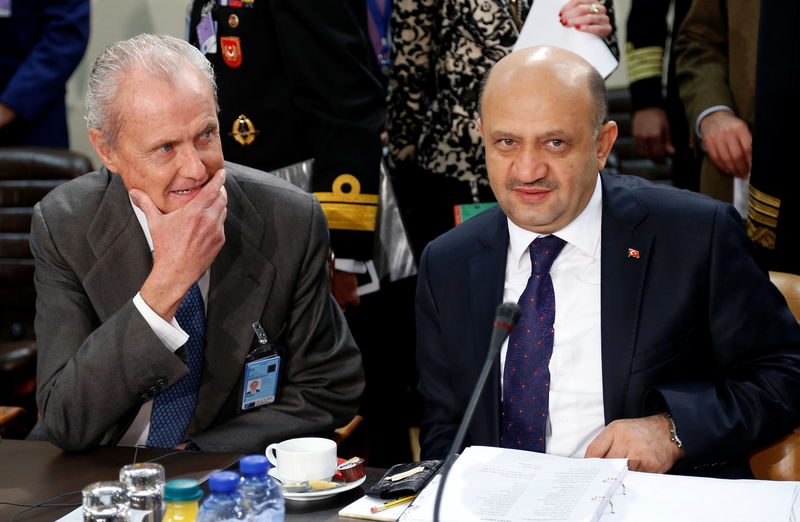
(506, 317)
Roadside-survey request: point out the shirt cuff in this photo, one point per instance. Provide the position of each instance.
(705, 113)
(350, 265)
(170, 333)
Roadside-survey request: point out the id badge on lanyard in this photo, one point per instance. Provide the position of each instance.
(465, 211)
(261, 373)
(207, 30)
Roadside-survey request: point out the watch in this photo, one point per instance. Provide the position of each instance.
(673, 431)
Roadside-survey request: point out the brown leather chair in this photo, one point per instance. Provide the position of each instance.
(26, 175)
(781, 460)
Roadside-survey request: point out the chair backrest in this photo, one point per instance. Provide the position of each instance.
(27, 174)
(789, 285)
(781, 460)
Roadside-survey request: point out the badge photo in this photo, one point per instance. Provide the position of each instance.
(231, 50)
(261, 373)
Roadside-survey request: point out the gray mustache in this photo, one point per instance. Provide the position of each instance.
(543, 183)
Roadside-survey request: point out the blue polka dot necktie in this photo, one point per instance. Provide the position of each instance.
(526, 376)
(173, 407)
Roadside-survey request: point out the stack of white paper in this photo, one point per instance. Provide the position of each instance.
(503, 484)
(499, 485)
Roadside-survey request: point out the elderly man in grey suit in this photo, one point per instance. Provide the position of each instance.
(151, 271)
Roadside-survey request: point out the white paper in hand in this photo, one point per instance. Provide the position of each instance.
(543, 28)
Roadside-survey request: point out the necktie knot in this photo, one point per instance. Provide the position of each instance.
(544, 251)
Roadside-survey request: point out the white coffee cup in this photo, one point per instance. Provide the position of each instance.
(306, 458)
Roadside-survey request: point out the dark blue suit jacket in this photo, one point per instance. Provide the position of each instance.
(692, 326)
(40, 46)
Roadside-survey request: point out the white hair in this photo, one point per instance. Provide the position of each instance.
(161, 55)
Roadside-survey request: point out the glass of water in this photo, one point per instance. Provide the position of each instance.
(145, 488)
(106, 502)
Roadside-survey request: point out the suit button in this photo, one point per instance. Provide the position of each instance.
(161, 384)
(150, 392)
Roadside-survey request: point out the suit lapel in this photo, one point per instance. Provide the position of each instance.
(115, 234)
(623, 275)
(486, 278)
(241, 279)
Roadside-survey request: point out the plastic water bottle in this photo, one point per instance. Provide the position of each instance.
(223, 504)
(261, 497)
(182, 497)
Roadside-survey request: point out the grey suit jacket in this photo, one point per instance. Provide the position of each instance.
(99, 360)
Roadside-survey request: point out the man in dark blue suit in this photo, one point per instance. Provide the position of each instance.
(41, 43)
(669, 346)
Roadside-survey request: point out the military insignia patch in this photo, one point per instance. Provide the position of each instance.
(233, 21)
(346, 208)
(231, 50)
(244, 132)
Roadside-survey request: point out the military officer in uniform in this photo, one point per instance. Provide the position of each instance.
(299, 80)
(659, 121)
(715, 63)
(296, 81)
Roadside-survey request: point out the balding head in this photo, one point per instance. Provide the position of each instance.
(542, 114)
(555, 66)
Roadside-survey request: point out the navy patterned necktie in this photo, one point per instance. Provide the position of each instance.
(526, 376)
(173, 407)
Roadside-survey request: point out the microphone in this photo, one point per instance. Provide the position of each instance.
(504, 321)
(505, 318)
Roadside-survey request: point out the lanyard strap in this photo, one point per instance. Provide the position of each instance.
(381, 19)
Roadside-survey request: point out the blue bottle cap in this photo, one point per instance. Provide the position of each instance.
(182, 490)
(223, 481)
(254, 465)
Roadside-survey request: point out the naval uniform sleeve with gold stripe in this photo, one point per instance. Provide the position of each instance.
(647, 34)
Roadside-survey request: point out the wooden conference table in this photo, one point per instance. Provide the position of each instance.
(31, 472)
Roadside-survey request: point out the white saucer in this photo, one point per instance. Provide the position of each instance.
(317, 495)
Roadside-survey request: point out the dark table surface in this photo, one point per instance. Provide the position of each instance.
(32, 472)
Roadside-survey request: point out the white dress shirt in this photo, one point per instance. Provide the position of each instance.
(170, 333)
(576, 414)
